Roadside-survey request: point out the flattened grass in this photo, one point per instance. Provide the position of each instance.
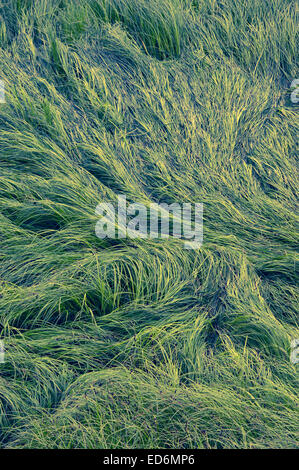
(138, 343)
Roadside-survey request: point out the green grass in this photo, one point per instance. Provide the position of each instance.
(141, 343)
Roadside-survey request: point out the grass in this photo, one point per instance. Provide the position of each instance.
(141, 343)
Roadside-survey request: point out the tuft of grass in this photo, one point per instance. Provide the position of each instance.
(158, 26)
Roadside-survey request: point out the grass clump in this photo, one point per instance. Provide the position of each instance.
(158, 26)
